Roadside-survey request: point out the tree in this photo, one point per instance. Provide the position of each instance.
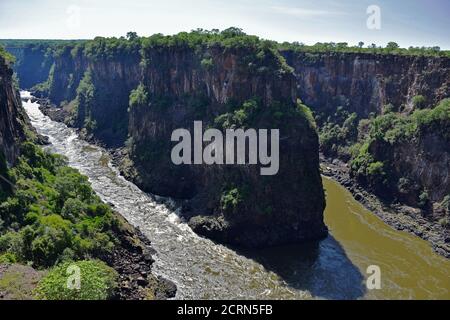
(360, 44)
(392, 45)
(132, 35)
(419, 102)
(233, 32)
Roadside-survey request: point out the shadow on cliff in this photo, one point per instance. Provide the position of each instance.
(322, 268)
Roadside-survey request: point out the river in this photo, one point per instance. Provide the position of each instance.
(334, 268)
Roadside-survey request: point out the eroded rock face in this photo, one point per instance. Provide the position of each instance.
(365, 83)
(180, 88)
(270, 210)
(33, 63)
(12, 117)
(424, 161)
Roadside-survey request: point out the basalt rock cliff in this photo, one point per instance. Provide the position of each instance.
(12, 117)
(142, 92)
(366, 83)
(388, 117)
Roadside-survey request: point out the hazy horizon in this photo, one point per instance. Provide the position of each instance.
(409, 23)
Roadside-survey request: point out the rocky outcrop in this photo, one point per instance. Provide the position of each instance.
(419, 165)
(366, 83)
(370, 84)
(229, 203)
(12, 117)
(263, 210)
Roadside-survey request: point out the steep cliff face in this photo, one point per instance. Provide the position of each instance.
(365, 83)
(12, 117)
(425, 161)
(33, 63)
(232, 204)
(408, 157)
(335, 85)
(181, 84)
(101, 101)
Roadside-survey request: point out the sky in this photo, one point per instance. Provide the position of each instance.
(407, 22)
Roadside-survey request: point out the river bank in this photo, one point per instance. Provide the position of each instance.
(400, 217)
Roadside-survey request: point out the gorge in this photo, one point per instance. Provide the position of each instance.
(380, 119)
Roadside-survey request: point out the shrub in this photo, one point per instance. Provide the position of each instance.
(12, 243)
(138, 97)
(8, 258)
(52, 214)
(419, 102)
(73, 209)
(424, 200)
(444, 222)
(207, 63)
(97, 282)
(230, 199)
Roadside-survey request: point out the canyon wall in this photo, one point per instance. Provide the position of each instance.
(230, 203)
(365, 83)
(125, 90)
(224, 87)
(33, 63)
(12, 117)
(370, 85)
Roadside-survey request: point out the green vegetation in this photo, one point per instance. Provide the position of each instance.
(52, 214)
(338, 133)
(9, 58)
(419, 102)
(138, 97)
(21, 43)
(393, 127)
(386, 132)
(263, 56)
(97, 282)
(207, 63)
(239, 117)
(110, 48)
(85, 101)
(231, 198)
(343, 47)
(250, 114)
